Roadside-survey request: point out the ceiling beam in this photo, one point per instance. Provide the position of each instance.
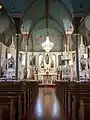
(46, 13)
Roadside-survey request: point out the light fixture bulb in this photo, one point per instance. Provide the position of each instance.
(0, 6)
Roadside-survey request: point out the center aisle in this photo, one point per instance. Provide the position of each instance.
(47, 106)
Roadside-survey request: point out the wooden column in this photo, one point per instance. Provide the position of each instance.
(26, 50)
(17, 21)
(76, 27)
(0, 56)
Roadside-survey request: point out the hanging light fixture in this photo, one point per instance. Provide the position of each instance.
(47, 45)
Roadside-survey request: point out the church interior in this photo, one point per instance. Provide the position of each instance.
(44, 59)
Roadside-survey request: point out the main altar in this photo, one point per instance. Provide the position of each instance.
(47, 66)
(47, 69)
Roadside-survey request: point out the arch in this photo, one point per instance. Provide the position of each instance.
(33, 2)
(66, 8)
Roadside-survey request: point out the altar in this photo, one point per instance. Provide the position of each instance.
(45, 76)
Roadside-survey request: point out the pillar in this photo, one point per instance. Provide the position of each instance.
(25, 35)
(68, 41)
(76, 27)
(0, 56)
(17, 21)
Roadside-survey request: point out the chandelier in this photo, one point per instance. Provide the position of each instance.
(47, 45)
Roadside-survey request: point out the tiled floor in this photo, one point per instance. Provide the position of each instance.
(47, 106)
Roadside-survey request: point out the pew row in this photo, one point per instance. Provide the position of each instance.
(16, 99)
(75, 97)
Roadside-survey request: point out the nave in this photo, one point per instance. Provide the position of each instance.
(47, 106)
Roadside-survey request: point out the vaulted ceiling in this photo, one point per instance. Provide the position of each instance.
(33, 16)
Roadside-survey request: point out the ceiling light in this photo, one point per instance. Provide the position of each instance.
(0, 7)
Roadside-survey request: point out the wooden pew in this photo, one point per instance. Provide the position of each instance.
(84, 111)
(13, 89)
(70, 93)
(7, 104)
(32, 94)
(23, 94)
(74, 103)
(17, 107)
(76, 93)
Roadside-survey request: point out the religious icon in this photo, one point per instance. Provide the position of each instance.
(11, 62)
(47, 59)
(32, 60)
(83, 63)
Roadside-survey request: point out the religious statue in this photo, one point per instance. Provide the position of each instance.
(32, 61)
(83, 63)
(25, 73)
(47, 59)
(11, 62)
(52, 64)
(36, 70)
